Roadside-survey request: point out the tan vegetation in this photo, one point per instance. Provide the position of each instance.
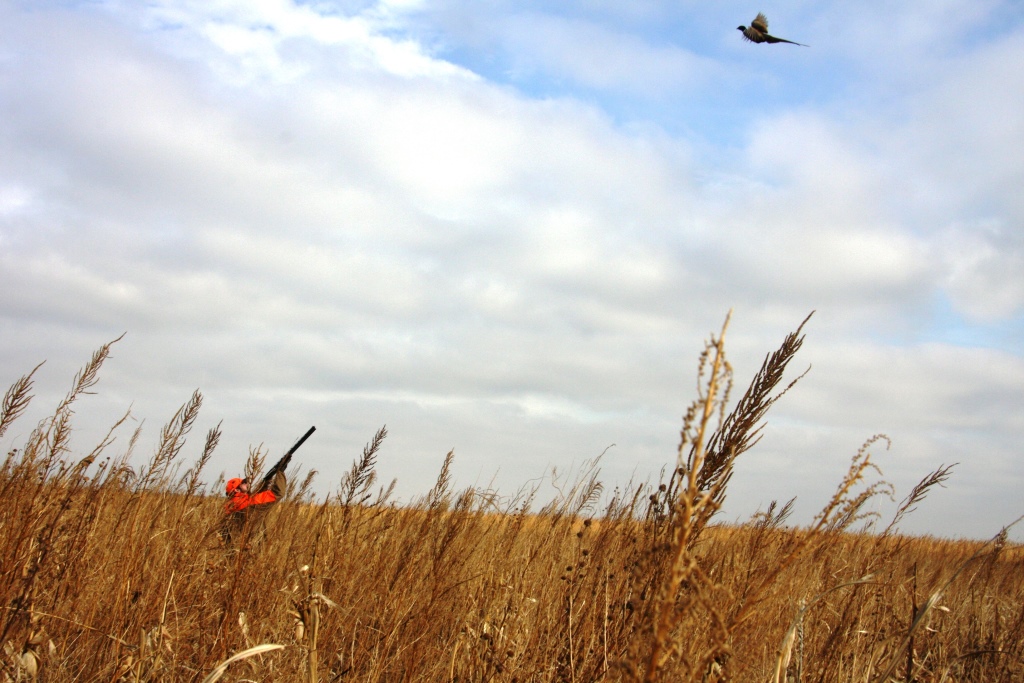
(115, 572)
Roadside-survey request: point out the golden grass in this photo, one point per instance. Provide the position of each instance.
(115, 572)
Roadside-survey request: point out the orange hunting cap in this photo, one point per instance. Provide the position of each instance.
(233, 484)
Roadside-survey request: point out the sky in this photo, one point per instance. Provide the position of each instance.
(507, 229)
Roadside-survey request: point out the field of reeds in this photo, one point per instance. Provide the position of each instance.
(115, 571)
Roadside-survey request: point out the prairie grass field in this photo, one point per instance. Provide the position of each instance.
(112, 569)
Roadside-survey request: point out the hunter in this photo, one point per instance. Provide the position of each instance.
(243, 513)
(243, 506)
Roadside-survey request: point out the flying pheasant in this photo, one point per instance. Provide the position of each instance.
(758, 32)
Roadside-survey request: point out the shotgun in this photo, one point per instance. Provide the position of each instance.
(281, 464)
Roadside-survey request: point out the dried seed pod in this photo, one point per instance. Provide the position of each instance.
(30, 663)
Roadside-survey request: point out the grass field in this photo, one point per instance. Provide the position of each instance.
(111, 571)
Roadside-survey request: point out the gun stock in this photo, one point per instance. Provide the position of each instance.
(282, 464)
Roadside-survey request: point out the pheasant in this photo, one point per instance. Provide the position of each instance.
(757, 32)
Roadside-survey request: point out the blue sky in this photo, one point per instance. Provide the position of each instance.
(507, 228)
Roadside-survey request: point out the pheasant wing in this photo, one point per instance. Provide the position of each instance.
(753, 35)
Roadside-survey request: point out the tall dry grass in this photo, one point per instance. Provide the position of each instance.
(112, 571)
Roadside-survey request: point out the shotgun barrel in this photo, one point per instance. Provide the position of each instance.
(282, 464)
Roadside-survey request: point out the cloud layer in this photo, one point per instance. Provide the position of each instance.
(508, 230)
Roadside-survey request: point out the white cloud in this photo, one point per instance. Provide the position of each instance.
(984, 272)
(260, 34)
